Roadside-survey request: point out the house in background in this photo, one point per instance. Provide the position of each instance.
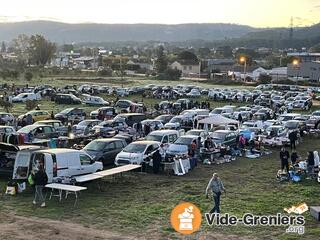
(219, 65)
(188, 68)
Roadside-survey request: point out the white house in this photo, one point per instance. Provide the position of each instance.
(188, 68)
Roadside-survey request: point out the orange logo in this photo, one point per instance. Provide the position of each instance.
(186, 218)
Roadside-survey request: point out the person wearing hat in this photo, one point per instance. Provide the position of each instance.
(216, 186)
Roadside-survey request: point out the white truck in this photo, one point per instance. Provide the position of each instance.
(58, 163)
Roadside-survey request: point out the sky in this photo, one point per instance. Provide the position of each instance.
(257, 13)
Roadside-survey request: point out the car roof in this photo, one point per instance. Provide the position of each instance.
(108, 139)
(144, 142)
(164, 131)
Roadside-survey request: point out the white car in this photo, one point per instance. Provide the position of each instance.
(194, 93)
(85, 126)
(121, 92)
(136, 152)
(23, 97)
(181, 146)
(94, 100)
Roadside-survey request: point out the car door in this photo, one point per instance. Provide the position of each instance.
(86, 164)
(109, 153)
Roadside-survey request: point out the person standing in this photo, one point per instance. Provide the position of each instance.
(310, 163)
(284, 157)
(40, 179)
(294, 157)
(216, 186)
(156, 160)
(293, 138)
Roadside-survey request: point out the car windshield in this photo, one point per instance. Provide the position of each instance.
(316, 113)
(156, 138)
(26, 129)
(219, 135)
(291, 124)
(66, 110)
(95, 146)
(183, 141)
(135, 148)
(285, 118)
(217, 111)
(84, 123)
(175, 120)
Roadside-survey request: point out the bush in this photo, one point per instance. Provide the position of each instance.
(264, 79)
(7, 106)
(31, 104)
(169, 74)
(105, 72)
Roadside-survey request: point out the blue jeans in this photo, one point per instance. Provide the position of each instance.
(216, 199)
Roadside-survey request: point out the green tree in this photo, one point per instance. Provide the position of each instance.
(21, 45)
(161, 63)
(40, 50)
(187, 55)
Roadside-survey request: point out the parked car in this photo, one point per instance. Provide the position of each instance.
(85, 126)
(7, 130)
(39, 131)
(71, 114)
(94, 100)
(136, 152)
(103, 112)
(59, 163)
(126, 106)
(180, 146)
(105, 150)
(109, 127)
(224, 137)
(67, 99)
(37, 115)
(131, 118)
(277, 131)
(164, 118)
(23, 97)
(163, 136)
(56, 124)
(6, 118)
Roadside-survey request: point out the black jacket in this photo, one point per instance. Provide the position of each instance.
(40, 178)
(284, 156)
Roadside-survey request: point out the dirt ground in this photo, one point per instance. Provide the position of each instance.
(18, 228)
(14, 227)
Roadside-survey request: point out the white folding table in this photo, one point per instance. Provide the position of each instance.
(69, 189)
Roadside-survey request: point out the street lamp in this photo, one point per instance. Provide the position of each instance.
(296, 64)
(244, 61)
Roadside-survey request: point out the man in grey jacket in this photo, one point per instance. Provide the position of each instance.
(216, 186)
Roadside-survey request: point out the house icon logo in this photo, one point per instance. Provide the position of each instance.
(186, 218)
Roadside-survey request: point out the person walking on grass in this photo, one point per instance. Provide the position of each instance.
(216, 186)
(40, 180)
(284, 157)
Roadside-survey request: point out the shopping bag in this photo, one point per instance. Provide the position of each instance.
(22, 187)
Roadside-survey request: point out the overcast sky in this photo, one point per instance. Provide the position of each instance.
(258, 13)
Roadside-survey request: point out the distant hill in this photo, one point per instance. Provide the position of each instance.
(66, 33)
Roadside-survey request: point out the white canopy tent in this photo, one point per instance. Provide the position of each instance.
(217, 120)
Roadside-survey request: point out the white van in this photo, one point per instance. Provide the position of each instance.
(59, 163)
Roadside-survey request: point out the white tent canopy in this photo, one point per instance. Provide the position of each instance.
(218, 120)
